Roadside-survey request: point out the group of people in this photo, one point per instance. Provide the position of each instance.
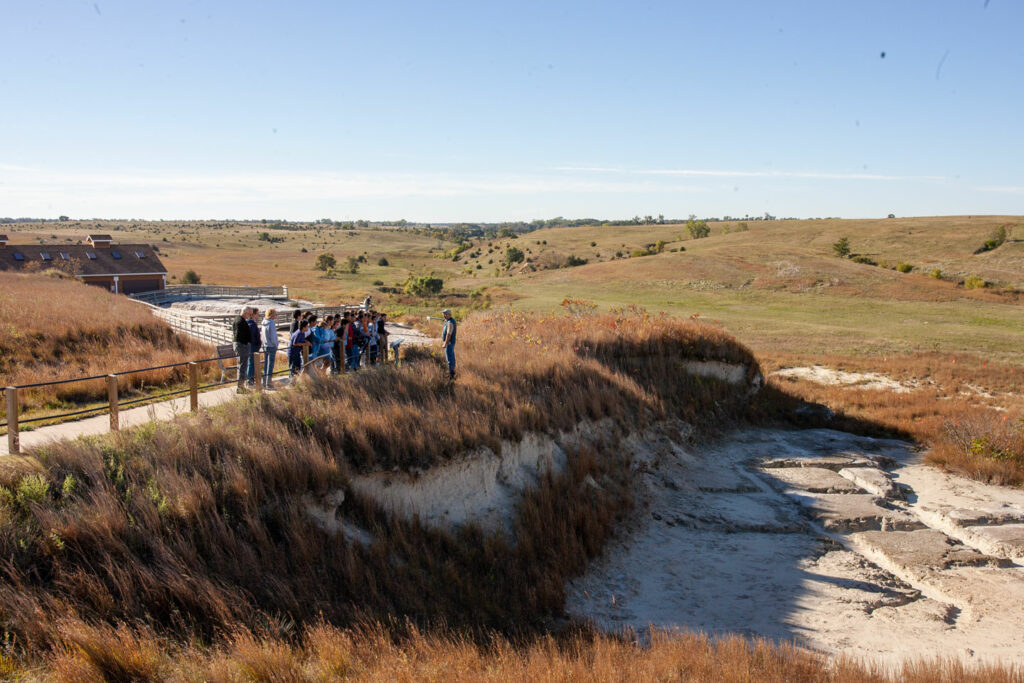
(339, 341)
(334, 342)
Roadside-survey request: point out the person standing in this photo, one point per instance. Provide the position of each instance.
(254, 334)
(448, 334)
(382, 334)
(241, 338)
(372, 339)
(295, 346)
(353, 345)
(269, 346)
(294, 327)
(336, 360)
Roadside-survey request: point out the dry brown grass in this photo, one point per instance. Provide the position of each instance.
(373, 653)
(966, 410)
(58, 328)
(195, 525)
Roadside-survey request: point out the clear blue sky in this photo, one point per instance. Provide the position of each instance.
(485, 111)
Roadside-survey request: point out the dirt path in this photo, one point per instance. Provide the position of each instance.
(165, 410)
(842, 544)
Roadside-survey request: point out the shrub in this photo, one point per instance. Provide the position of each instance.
(975, 282)
(574, 260)
(190, 277)
(904, 267)
(697, 229)
(937, 274)
(637, 253)
(593, 244)
(860, 258)
(383, 262)
(352, 265)
(742, 226)
(423, 285)
(842, 247)
(325, 262)
(303, 251)
(513, 255)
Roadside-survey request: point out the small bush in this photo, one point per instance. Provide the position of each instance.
(975, 282)
(937, 274)
(325, 262)
(383, 262)
(574, 260)
(842, 247)
(637, 253)
(904, 267)
(866, 260)
(190, 277)
(423, 285)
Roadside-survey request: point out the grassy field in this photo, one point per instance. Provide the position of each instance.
(53, 327)
(777, 285)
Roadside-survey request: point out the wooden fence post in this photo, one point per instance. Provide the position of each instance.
(13, 442)
(115, 424)
(193, 387)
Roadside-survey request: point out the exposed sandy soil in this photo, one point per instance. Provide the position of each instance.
(843, 544)
(862, 380)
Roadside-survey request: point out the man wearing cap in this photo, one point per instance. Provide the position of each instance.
(448, 339)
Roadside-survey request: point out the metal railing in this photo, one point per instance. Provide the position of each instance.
(178, 292)
(216, 327)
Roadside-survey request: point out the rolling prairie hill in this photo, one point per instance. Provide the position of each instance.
(777, 284)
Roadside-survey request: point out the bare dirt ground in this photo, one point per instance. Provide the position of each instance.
(842, 544)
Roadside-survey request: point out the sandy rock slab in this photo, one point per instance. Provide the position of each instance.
(1006, 540)
(923, 550)
(873, 481)
(812, 479)
(849, 512)
(829, 462)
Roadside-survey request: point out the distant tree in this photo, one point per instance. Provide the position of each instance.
(190, 277)
(325, 262)
(892, 215)
(352, 264)
(513, 255)
(697, 229)
(842, 247)
(63, 219)
(423, 285)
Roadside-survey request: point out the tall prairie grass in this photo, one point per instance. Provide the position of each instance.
(195, 529)
(54, 328)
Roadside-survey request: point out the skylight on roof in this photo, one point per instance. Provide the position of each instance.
(140, 254)
(91, 255)
(18, 256)
(115, 254)
(65, 256)
(44, 255)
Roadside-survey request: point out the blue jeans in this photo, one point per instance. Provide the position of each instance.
(250, 368)
(353, 357)
(269, 356)
(449, 353)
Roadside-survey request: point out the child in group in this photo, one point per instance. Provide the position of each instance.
(297, 342)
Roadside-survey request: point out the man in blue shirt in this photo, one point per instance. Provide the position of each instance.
(298, 340)
(448, 333)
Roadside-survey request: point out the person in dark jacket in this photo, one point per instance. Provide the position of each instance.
(241, 337)
(296, 316)
(254, 343)
(448, 334)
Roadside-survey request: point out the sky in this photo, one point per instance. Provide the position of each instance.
(486, 111)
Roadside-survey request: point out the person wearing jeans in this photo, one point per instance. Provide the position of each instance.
(241, 338)
(269, 333)
(448, 334)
